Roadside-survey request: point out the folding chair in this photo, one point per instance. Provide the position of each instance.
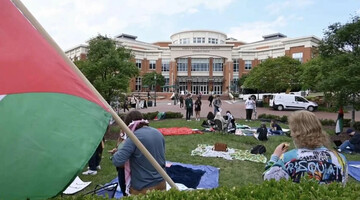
(108, 190)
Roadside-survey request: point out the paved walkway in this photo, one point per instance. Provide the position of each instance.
(237, 108)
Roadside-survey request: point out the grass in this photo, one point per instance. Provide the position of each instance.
(178, 149)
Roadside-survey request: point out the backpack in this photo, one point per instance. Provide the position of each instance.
(258, 149)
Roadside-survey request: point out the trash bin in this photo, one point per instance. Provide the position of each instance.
(150, 103)
(259, 103)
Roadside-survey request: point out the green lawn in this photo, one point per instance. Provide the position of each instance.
(178, 149)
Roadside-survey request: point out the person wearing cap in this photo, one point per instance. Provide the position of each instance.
(352, 145)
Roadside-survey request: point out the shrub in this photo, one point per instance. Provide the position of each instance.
(283, 119)
(172, 115)
(150, 115)
(307, 189)
(346, 122)
(357, 126)
(327, 122)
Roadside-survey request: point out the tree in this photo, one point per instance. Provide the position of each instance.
(149, 79)
(275, 75)
(108, 67)
(338, 65)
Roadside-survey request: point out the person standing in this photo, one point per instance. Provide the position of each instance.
(188, 107)
(210, 99)
(126, 104)
(197, 108)
(181, 101)
(217, 104)
(249, 106)
(133, 101)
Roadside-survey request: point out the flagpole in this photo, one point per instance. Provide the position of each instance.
(118, 120)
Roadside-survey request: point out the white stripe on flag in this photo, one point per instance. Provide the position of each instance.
(2, 96)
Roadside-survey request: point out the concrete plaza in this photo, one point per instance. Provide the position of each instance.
(237, 108)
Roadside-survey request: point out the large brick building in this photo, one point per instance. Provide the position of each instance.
(205, 61)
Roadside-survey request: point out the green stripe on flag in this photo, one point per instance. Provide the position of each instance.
(47, 138)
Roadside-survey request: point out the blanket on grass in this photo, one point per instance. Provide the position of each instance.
(209, 179)
(205, 150)
(179, 131)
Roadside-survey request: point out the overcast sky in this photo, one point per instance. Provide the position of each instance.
(73, 22)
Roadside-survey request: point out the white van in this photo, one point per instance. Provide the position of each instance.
(291, 102)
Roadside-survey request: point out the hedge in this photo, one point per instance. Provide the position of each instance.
(307, 189)
(283, 119)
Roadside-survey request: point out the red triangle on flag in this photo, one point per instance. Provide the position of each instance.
(29, 64)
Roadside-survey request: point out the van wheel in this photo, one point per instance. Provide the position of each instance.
(280, 107)
(310, 108)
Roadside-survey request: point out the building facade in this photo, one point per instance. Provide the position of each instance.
(208, 61)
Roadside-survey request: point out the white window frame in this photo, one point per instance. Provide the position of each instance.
(165, 65)
(200, 64)
(182, 65)
(248, 64)
(298, 56)
(152, 64)
(236, 65)
(138, 84)
(218, 65)
(138, 63)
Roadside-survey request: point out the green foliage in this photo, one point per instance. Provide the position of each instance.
(275, 75)
(108, 67)
(149, 79)
(168, 115)
(173, 115)
(337, 68)
(242, 79)
(283, 119)
(356, 126)
(268, 190)
(327, 122)
(150, 115)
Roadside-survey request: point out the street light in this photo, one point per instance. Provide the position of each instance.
(155, 90)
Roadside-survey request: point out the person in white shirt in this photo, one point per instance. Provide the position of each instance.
(250, 105)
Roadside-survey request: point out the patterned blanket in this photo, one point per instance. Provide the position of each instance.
(205, 150)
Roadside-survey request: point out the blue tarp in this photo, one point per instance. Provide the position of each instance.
(354, 169)
(209, 180)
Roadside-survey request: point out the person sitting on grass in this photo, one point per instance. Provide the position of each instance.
(275, 128)
(261, 133)
(352, 145)
(310, 157)
(144, 176)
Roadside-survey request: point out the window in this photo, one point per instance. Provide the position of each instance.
(212, 41)
(165, 65)
(298, 56)
(218, 65)
(185, 41)
(234, 85)
(248, 64)
(300, 99)
(152, 64)
(198, 40)
(182, 64)
(200, 64)
(166, 89)
(138, 63)
(236, 65)
(138, 84)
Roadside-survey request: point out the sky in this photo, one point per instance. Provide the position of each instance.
(73, 22)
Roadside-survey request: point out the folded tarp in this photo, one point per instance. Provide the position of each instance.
(178, 131)
(354, 169)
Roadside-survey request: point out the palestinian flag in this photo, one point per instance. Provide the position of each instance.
(50, 121)
(339, 122)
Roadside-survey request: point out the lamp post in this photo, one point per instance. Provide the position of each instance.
(155, 90)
